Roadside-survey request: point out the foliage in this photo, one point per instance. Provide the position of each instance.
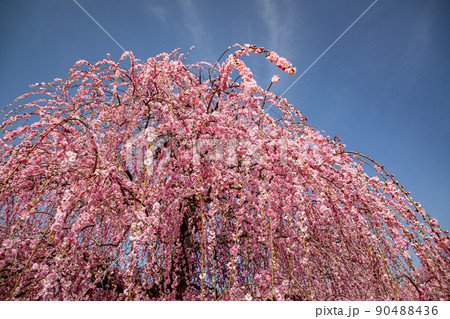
(159, 180)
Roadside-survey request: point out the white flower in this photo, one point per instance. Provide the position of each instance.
(150, 135)
(156, 207)
(71, 156)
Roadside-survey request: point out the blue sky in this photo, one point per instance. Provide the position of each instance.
(383, 88)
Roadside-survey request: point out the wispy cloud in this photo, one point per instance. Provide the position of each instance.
(277, 31)
(158, 12)
(270, 16)
(278, 27)
(195, 27)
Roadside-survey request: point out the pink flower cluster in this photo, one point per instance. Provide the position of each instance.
(272, 56)
(281, 62)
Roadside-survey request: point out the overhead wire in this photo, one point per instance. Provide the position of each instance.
(327, 49)
(93, 19)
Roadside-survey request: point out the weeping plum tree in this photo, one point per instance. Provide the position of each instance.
(159, 180)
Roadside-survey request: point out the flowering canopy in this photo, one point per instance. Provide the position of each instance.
(158, 180)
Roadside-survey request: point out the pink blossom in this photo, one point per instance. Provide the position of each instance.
(275, 79)
(7, 243)
(271, 213)
(406, 254)
(433, 222)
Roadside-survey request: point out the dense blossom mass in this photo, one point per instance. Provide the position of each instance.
(159, 180)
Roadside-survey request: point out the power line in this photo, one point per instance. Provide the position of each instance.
(99, 25)
(332, 44)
